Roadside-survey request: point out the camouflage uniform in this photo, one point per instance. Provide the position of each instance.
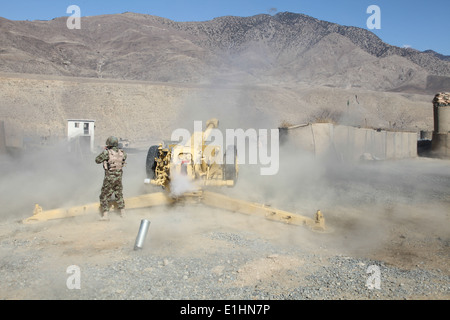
(112, 183)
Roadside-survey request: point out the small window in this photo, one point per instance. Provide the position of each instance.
(86, 128)
(77, 124)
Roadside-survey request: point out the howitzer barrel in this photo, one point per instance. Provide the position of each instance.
(210, 125)
(200, 136)
(197, 140)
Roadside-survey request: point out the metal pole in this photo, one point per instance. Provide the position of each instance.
(141, 234)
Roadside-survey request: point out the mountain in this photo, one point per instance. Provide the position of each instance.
(283, 48)
(438, 55)
(140, 76)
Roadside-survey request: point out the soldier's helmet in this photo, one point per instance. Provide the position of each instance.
(112, 142)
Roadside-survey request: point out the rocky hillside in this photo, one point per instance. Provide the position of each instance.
(284, 48)
(140, 76)
(39, 105)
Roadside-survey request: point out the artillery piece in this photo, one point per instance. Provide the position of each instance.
(200, 164)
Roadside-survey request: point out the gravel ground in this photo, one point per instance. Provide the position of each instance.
(199, 253)
(239, 266)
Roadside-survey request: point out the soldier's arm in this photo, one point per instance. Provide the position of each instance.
(102, 157)
(124, 156)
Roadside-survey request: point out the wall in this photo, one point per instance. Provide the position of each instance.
(350, 143)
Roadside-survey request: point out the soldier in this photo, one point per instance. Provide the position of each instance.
(113, 160)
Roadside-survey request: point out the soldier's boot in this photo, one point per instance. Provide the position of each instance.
(122, 213)
(104, 216)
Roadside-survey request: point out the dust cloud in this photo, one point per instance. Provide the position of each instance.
(54, 177)
(365, 203)
(49, 176)
(181, 184)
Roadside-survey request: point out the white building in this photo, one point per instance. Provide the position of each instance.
(80, 134)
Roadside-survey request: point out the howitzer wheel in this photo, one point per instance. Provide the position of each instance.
(150, 164)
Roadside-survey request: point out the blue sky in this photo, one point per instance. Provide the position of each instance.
(419, 24)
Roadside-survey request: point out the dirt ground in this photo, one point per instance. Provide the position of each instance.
(405, 230)
(87, 241)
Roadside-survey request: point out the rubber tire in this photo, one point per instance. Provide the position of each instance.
(150, 164)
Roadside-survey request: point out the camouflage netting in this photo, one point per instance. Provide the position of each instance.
(442, 99)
